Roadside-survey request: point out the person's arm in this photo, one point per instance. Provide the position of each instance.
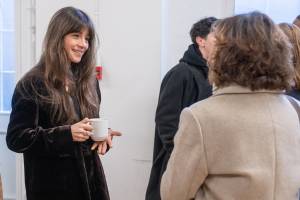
(25, 134)
(170, 104)
(187, 167)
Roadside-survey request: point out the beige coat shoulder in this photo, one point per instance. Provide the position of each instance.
(237, 144)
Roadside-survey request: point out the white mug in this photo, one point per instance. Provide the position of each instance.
(100, 129)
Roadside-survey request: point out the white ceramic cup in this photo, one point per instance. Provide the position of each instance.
(100, 129)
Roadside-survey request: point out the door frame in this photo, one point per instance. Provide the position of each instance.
(25, 58)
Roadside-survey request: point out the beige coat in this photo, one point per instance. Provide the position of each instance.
(236, 145)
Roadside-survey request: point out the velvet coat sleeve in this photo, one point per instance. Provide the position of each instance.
(25, 133)
(176, 93)
(187, 166)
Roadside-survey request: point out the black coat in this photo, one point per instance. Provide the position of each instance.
(183, 85)
(56, 168)
(294, 93)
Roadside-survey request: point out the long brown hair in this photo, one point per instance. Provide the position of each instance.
(293, 33)
(251, 51)
(55, 70)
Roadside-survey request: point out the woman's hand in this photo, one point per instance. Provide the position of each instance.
(81, 131)
(102, 145)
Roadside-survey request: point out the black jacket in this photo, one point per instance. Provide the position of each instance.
(294, 93)
(183, 85)
(55, 166)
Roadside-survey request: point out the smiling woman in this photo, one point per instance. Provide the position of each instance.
(51, 107)
(75, 44)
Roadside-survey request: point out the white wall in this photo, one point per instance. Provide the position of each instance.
(132, 34)
(130, 54)
(278, 10)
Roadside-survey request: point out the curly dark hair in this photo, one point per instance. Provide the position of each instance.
(201, 28)
(251, 51)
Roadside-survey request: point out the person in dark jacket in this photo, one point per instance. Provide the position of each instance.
(183, 85)
(293, 33)
(51, 107)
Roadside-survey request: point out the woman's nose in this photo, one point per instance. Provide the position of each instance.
(83, 43)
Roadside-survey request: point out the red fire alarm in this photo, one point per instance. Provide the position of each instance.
(99, 72)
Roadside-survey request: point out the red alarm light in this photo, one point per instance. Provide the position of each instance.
(99, 70)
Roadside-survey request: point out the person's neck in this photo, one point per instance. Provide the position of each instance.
(203, 52)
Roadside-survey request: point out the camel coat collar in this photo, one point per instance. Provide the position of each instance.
(236, 89)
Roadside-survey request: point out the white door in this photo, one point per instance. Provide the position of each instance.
(7, 83)
(16, 54)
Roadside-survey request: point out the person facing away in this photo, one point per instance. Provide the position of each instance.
(297, 21)
(243, 142)
(51, 107)
(293, 33)
(183, 85)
